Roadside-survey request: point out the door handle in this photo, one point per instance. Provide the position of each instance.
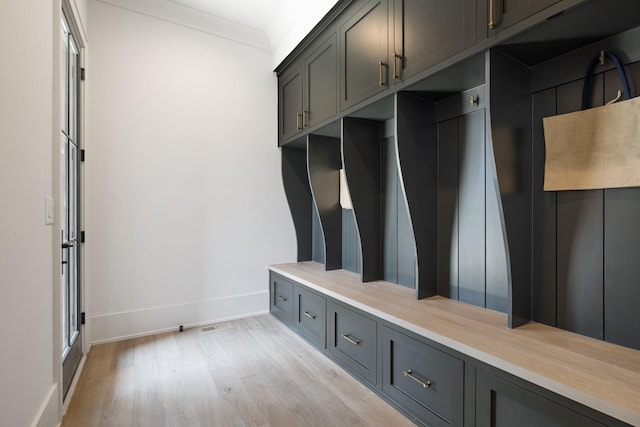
(396, 75)
(495, 13)
(70, 244)
(382, 65)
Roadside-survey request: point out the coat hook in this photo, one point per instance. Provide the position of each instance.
(601, 57)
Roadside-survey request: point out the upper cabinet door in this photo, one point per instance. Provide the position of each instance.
(290, 113)
(364, 43)
(429, 31)
(504, 13)
(321, 88)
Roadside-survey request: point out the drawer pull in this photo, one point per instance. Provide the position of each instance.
(409, 374)
(281, 298)
(309, 315)
(351, 340)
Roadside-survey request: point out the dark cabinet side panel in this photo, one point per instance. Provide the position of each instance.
(296, 186)
(324, 166)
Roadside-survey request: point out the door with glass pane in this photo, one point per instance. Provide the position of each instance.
(69, 206)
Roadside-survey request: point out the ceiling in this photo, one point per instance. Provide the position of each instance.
(256, 14)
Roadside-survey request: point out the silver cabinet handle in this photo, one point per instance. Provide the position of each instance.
(409, 373)
(309, 315)
(305, 119)
(281, 298)
(353, 341)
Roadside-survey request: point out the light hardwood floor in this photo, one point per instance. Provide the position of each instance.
(249, 372)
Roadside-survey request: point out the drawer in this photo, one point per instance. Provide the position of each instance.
(426, 381)
(281, 296)
(310, 315)
(353, 341)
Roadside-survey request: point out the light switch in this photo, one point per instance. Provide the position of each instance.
(49, 211)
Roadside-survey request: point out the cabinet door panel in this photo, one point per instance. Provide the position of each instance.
(509, 12)
(364, 41)
(322, 83)
(501, 403)
(290, 104)
(427, 381)
(353, 341)
(429, 31)
(281, 297)
(310, 309)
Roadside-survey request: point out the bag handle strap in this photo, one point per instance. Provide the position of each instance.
(586, 89)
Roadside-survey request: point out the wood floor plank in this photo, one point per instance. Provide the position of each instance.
(251, 372)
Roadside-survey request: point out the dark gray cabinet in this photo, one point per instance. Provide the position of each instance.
(432, 384)
(321, 82)
(281, 298)
(353, 341)
(426, 32)
(504, 403)
(310, 311)
(426, 381)
(290, 112)
(504, 13)
(364, 68)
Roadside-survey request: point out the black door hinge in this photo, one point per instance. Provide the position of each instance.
(82, 155)
(82, 76)
(82, 318)
(82, 236)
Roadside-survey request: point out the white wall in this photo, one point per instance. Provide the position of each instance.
(292, 23)
(185, 206)
(26, 335)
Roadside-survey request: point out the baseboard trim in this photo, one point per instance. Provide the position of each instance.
(47, 415)
(74, 383)
(136, 323)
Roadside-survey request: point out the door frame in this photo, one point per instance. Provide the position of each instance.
(73, 16)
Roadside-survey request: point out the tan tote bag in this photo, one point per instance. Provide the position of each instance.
(597, 147)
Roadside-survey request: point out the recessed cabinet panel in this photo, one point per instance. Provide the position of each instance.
(321, 91)
(281, 297)
(504, 13)
(501, 403)
(353, 341)
(429, 31)
(425, 380)
(364, 60)
(290, 109)
(310, 316)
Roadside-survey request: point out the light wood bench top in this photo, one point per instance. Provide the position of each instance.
(600, 375)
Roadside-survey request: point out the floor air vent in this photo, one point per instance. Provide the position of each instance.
(216, 327)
